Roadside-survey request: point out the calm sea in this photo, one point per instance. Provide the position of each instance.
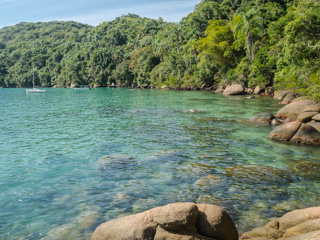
(71, 160)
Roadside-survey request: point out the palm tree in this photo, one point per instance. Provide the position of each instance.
(249, 27)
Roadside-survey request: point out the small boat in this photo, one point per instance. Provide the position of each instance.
(34, 89)
(112, 85)
(81, 87)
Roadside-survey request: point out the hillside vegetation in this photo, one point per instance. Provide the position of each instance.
(223, 41)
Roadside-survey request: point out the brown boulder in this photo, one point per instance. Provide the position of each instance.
(214, 222)
(306, 116)
(285, 132)
(293, 109)
(316, 125)
(312, 108)
(316, 118)
(234, 89)
(307, 135)
(258, 90)
(289, 98)
(173, 221)
(280, 94)
(295, 225)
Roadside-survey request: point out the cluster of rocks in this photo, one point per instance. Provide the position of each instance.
(238, 89)
(189, 221)
(301, 224)
(299, 118)
(175, 221)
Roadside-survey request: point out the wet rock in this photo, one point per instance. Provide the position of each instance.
(307, 169)
(280, 94)
(306, 116)
(289, 98)
(293, 109)
(316, 125)
(265, 117)
(208, 180)
(234, 89)
(269, 91)
(114, 159)
(251, 97)
(87, 219)
(294, 225)
(193, 111)
(285, 132)
(66, 231)
(307, 135)
(258, 173)
(316, 118)
(173, 221)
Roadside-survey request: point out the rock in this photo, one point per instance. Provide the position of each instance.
(193, 111)
(208, 180)
(316, 118)
(219, 90)
(265, 117)
(293, 109)
(316, 125)
(307, 135)
(307, 169)
(258, 173)
(249, 91)
(289, 98)
(295, 225)
(258, 90)
(306, 116)
(173, 221)
(269, 91)
(116, 158)
(214, 222)
(285, 132)
(280, 94)
(251, 97)
(275, 122)
(234, 89)
(290, 119)
(312, 108)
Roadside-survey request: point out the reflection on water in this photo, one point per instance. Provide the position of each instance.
(72, 160)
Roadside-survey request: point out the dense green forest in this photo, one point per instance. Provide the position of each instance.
(253, 42)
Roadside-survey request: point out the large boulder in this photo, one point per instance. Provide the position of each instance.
(293, 109)
(296, 225)
(316, 118)
(234, 89)
(265, 117)
(289, 98)
(280, 94)
(173, 221)
(285, 132)
(306, 116)
(307, 135)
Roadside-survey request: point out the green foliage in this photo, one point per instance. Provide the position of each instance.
(252, 42)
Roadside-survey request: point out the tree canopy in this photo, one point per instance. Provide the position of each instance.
(252, 42)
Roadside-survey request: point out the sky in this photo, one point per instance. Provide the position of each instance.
(92, 12)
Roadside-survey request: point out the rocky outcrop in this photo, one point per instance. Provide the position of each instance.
(280, 94)
(285, 132)
(234, 89)
(265, 117)
(293, 109)
(173, 221)
(296, 225)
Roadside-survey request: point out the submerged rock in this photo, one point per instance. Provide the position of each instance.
(307, 169)
(114, 159)
(234, 89)
(265, 117)
(258, 173)
(173, 221)
(295, 225)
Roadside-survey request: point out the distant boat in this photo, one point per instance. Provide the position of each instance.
(81, 87)
(35, 90)
(112, 85)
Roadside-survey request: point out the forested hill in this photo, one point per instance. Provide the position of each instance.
(252, 42)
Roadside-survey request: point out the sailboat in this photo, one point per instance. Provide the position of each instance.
(34, 89)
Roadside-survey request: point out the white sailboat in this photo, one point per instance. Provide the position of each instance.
(34, 89)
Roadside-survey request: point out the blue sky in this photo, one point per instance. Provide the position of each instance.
(91, 12)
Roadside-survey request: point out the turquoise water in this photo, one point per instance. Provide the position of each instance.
(71, 160)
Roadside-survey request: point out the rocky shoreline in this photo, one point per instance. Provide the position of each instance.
(190, 221)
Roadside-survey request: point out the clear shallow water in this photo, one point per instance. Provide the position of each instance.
(71, 160)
